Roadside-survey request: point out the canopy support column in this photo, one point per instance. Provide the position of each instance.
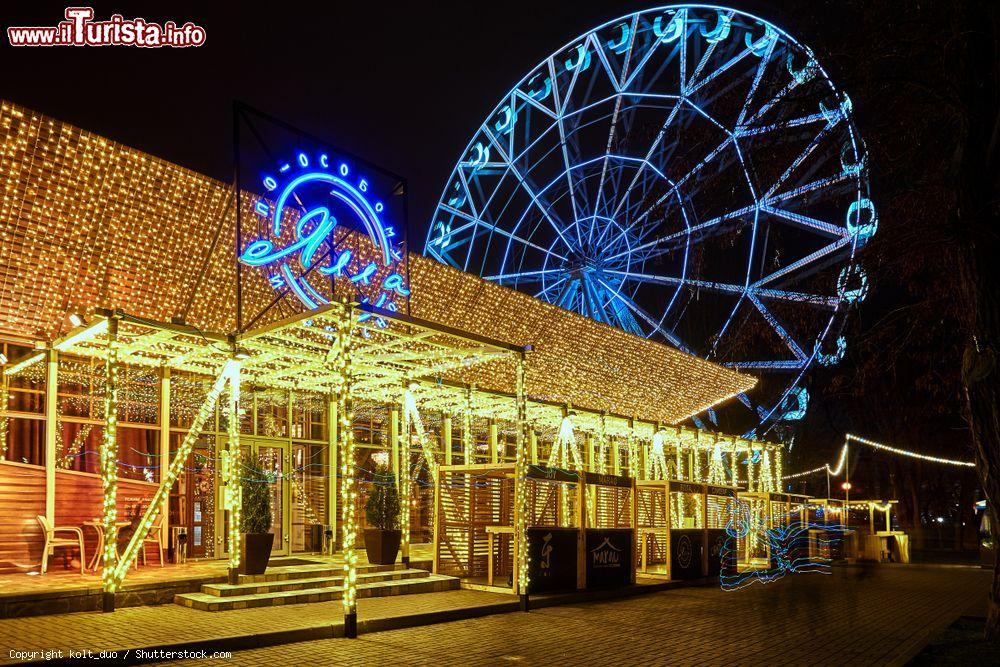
(446, 438)
(163, 451)
(52, 427)
(109, 468)
(231, 481)
(333, 486)
(348, 490)
(520, 482)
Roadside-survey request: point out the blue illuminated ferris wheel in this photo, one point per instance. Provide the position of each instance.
(688, 174)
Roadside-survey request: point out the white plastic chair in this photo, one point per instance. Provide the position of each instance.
(155, 536)
(52, 542)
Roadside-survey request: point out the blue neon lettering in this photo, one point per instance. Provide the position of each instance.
(338, 266)
(366, 274)
(394, 283)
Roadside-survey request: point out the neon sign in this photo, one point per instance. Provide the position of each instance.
(291, 259)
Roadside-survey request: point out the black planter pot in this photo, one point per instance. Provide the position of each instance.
(382, 545)
(255, 551)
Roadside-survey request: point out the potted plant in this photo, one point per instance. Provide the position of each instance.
(256, 540)
(382, 511)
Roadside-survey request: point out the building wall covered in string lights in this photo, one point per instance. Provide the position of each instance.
(88, 223)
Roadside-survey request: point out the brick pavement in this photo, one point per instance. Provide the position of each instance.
(878, 615)
(136, 627)
(875, 615)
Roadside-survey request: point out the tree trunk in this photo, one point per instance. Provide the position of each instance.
(980, 375)
(978, 190)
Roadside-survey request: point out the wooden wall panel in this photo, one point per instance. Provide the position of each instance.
(78, 499)
(22, 498)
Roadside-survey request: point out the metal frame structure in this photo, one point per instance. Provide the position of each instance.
(323, 351)
(596, 184)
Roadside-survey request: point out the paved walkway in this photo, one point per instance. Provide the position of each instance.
(877, 615)
(171, 624)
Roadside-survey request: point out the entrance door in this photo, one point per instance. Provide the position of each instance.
(275, 460)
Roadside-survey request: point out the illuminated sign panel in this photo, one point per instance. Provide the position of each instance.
(309, 218)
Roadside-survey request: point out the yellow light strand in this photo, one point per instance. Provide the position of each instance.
(4, 398)
(109, 463)
(232, 481)
(521, 479)
(348, 488)
(903, 452)
(206, 410)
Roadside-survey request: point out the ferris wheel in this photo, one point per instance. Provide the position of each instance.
(689, 174)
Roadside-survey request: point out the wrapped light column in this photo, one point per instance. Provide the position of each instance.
(602, 445)
(766, 479)
(779, 468)
(716, 470)
(633, 451)
(405, 486)
(206, 410)
(231, 482)
(348, 488)
(467, 446)
(109, 469)
(520, 482)
(678, 461)
(4, 396)
(733, 465)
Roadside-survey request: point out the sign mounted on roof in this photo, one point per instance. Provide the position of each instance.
(322, 225)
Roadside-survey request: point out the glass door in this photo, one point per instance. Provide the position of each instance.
(275, 460)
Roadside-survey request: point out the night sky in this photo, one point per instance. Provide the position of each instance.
(401, 84)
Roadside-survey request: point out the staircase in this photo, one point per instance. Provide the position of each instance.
(313, 583)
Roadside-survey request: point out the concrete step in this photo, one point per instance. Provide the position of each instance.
(312, 572)
(427, 584)
(255, 588)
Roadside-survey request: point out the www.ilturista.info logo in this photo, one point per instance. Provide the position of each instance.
(79, 29)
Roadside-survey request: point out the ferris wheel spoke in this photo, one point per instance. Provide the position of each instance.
(704, 59)
(604, 166)
(806, 222)
(779, 329)
(718, 72)
(771, 103)
(649, 153)
(545, 290)
(642, 64)
(524, 276)
(730, 288)
(489, 228)
(799, 159)
(647, 318)
(602, 58)
(810, 259)
(690, 232)
(747, 130)
(812, 186)
(529, 188)
(758, 75)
